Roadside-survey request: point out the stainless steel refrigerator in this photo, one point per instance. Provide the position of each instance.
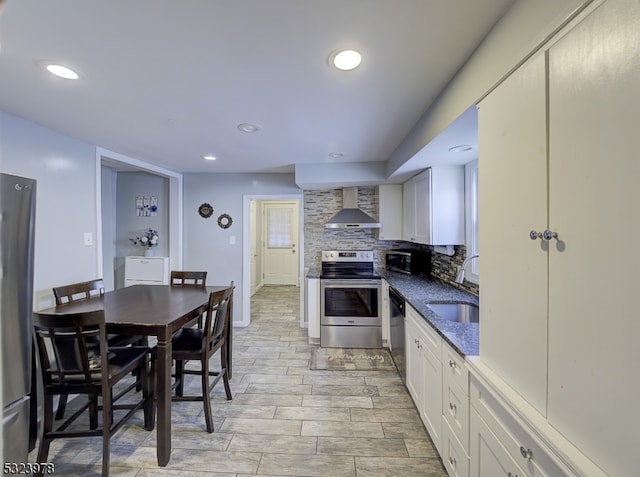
(17, 230)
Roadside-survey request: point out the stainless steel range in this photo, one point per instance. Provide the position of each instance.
(351, 301)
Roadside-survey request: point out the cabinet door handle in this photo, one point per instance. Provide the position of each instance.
(546, 235)
(526, 453)
(512, 475)
(452, 363)
(452, 407)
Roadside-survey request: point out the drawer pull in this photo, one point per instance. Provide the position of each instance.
(526, 453)
(453, 408)
(512, 475)
(452, 363)
(452, 461)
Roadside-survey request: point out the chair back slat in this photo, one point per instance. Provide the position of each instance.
(70, 346)
(181, 278)
(217, 314)
(78, 291)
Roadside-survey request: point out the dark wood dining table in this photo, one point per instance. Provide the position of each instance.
(153, 310)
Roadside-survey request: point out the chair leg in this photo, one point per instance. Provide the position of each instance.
(93, 412)
(206, 398)
(148, 390)
(225, 374)
(180, 378)
(62, 405)
(43, 452)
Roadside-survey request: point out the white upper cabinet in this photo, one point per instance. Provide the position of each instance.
(433, 206)
(390, 211)
(559, 313)
(512, 145)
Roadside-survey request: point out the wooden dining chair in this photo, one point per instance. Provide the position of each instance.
(193, 344)
(83, 291)
(75, 359)
(189, 278)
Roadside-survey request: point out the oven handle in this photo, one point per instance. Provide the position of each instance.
(349, 283)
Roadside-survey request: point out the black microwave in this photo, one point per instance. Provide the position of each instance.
(411, 262)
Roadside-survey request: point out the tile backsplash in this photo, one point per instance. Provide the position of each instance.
(321, 205)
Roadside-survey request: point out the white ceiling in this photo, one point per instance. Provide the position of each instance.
(169, 81)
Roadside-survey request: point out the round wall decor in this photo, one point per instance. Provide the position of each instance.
(225, 221)
(205, 210)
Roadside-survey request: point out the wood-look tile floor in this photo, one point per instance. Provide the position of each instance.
(284, 419)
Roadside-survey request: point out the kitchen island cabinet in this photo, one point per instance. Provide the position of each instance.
(554, 142)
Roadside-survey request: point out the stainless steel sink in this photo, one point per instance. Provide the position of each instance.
(459, 312)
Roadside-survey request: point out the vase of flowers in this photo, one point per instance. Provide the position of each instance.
(148, 240)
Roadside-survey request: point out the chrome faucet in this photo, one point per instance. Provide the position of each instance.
(461, 268)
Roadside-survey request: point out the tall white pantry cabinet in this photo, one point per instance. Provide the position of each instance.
(557, 153)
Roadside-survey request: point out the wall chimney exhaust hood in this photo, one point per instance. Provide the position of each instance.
(351, 216)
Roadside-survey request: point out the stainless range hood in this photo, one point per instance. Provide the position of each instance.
(351, 217)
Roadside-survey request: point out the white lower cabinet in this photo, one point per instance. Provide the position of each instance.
(488, 457)
(424, 373)
(508, 437)
(455, 413)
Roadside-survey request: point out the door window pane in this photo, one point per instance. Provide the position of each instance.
(279, 227)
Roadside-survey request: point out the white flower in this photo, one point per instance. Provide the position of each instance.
(144, 239)
(154, 240)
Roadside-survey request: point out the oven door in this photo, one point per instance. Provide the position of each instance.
(350, 302)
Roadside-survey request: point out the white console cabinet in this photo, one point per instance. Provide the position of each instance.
(146, 271)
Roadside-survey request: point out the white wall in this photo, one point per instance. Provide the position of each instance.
(66, 208)
(206, 245)
(109, 179)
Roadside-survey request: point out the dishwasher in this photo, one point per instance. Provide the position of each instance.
(396, 331)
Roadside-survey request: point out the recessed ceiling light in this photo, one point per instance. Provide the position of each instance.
(209, 158)
(336, 154)
(460, 148)
(346, 60)
(61, 71)
(248, 128)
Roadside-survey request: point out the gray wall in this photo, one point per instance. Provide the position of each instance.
(206, 245)
(66, 207)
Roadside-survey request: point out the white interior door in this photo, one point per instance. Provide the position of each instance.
(280, 243)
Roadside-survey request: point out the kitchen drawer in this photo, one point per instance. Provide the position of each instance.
(432, 341)
(514, 435)
(455, 411)
(454, 457)
(454, 371)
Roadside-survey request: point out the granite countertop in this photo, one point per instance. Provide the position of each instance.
(419, 291)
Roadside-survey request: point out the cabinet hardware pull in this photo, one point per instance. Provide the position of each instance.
(452, 363)
(512, 475)
(546, 235)
(452, 461)
(526, 453)
(452, 407)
